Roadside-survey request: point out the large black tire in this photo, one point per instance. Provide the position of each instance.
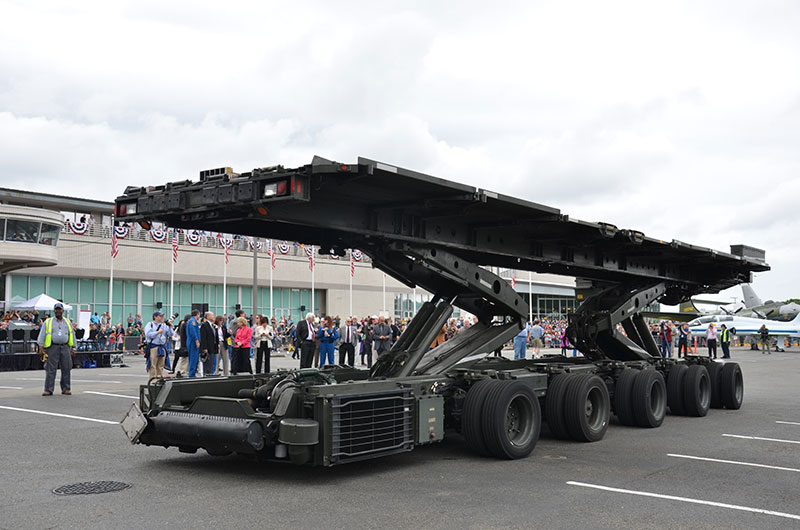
(675, 380)
(512, 420)
(472, 414)
(554, 405)
(732, 388)
(587, 408)
(697, 391)
(623, 405)
(649, 398)
(715, 376)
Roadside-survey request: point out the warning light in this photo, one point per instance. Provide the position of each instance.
(282, 188)
(261, 210)
(344, 167)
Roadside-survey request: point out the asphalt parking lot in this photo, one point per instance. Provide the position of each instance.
(731, 469)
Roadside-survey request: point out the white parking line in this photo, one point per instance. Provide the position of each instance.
(762, 439)
(788, 422)
(12, 387)
(686, 499)
(734, 462)
(60, 415)
(73, 380)
(107, 394)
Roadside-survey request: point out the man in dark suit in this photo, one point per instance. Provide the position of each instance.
(348, 339)
(209, 344)
(306, 336)
(382, 335)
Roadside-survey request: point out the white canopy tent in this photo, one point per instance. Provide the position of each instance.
(40, 303)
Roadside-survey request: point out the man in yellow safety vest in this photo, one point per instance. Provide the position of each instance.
(57, 340)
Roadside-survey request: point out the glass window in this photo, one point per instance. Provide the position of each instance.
(117, 294)
(2, 228)
(37, 285)
(130, 294)
(23, 231)
(185, 296)
(71, 290)
(147, 295)
(198, 294)
(86, 295)
(19, 287)
(49, 235)
(54, 287)
(101, 290)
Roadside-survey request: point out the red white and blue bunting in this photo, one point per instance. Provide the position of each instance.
(333, 254)
(357, 256)
(77, 227)
(224, 241)
(258, 245)
(283, 247)
(121, 231)
(193, 237)
(157, 235)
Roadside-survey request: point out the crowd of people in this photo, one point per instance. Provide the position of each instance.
(206, 344)
(669, 337)
(199, 345)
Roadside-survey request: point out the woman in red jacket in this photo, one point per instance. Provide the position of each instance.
(241, 348)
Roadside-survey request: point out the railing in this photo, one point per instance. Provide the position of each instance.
(136, 233)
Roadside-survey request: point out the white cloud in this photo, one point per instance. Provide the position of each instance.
(681, 119)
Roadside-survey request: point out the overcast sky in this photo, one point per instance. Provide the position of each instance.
(679, 119)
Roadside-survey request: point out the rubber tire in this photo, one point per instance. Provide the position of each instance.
(554, 405)
(578, 392)
(471, 416)
(623, 405)
(715, 376)
(675, 379)
(697, 391)
(649, 385)
(731, 379)
(498, 400)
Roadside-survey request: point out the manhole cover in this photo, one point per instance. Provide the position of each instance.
(86, 488)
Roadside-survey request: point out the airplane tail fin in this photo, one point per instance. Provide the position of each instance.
(751, 299)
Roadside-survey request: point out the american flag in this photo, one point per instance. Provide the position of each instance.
(272, 255)
(174, 247)
(114, 244)
(310, 254)
(226, 254)
(513, 280)
(352, 265)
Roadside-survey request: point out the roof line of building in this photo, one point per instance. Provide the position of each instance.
(54, 202)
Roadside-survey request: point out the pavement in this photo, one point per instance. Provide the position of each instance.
(731, 469)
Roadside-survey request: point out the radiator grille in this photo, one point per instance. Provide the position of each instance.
(367, 425)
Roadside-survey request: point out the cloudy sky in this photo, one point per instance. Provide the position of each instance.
(679, 119)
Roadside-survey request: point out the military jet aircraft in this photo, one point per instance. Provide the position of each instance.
(752, 307)
(747, 326)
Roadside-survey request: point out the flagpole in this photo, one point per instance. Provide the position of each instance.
(172, 278)
(271, 261)
(351, 282)
(255, 278)
(312, 280)
(224, 281)
(530, 296)
(111, 283)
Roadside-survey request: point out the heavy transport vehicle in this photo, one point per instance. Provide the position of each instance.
(445, 238)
